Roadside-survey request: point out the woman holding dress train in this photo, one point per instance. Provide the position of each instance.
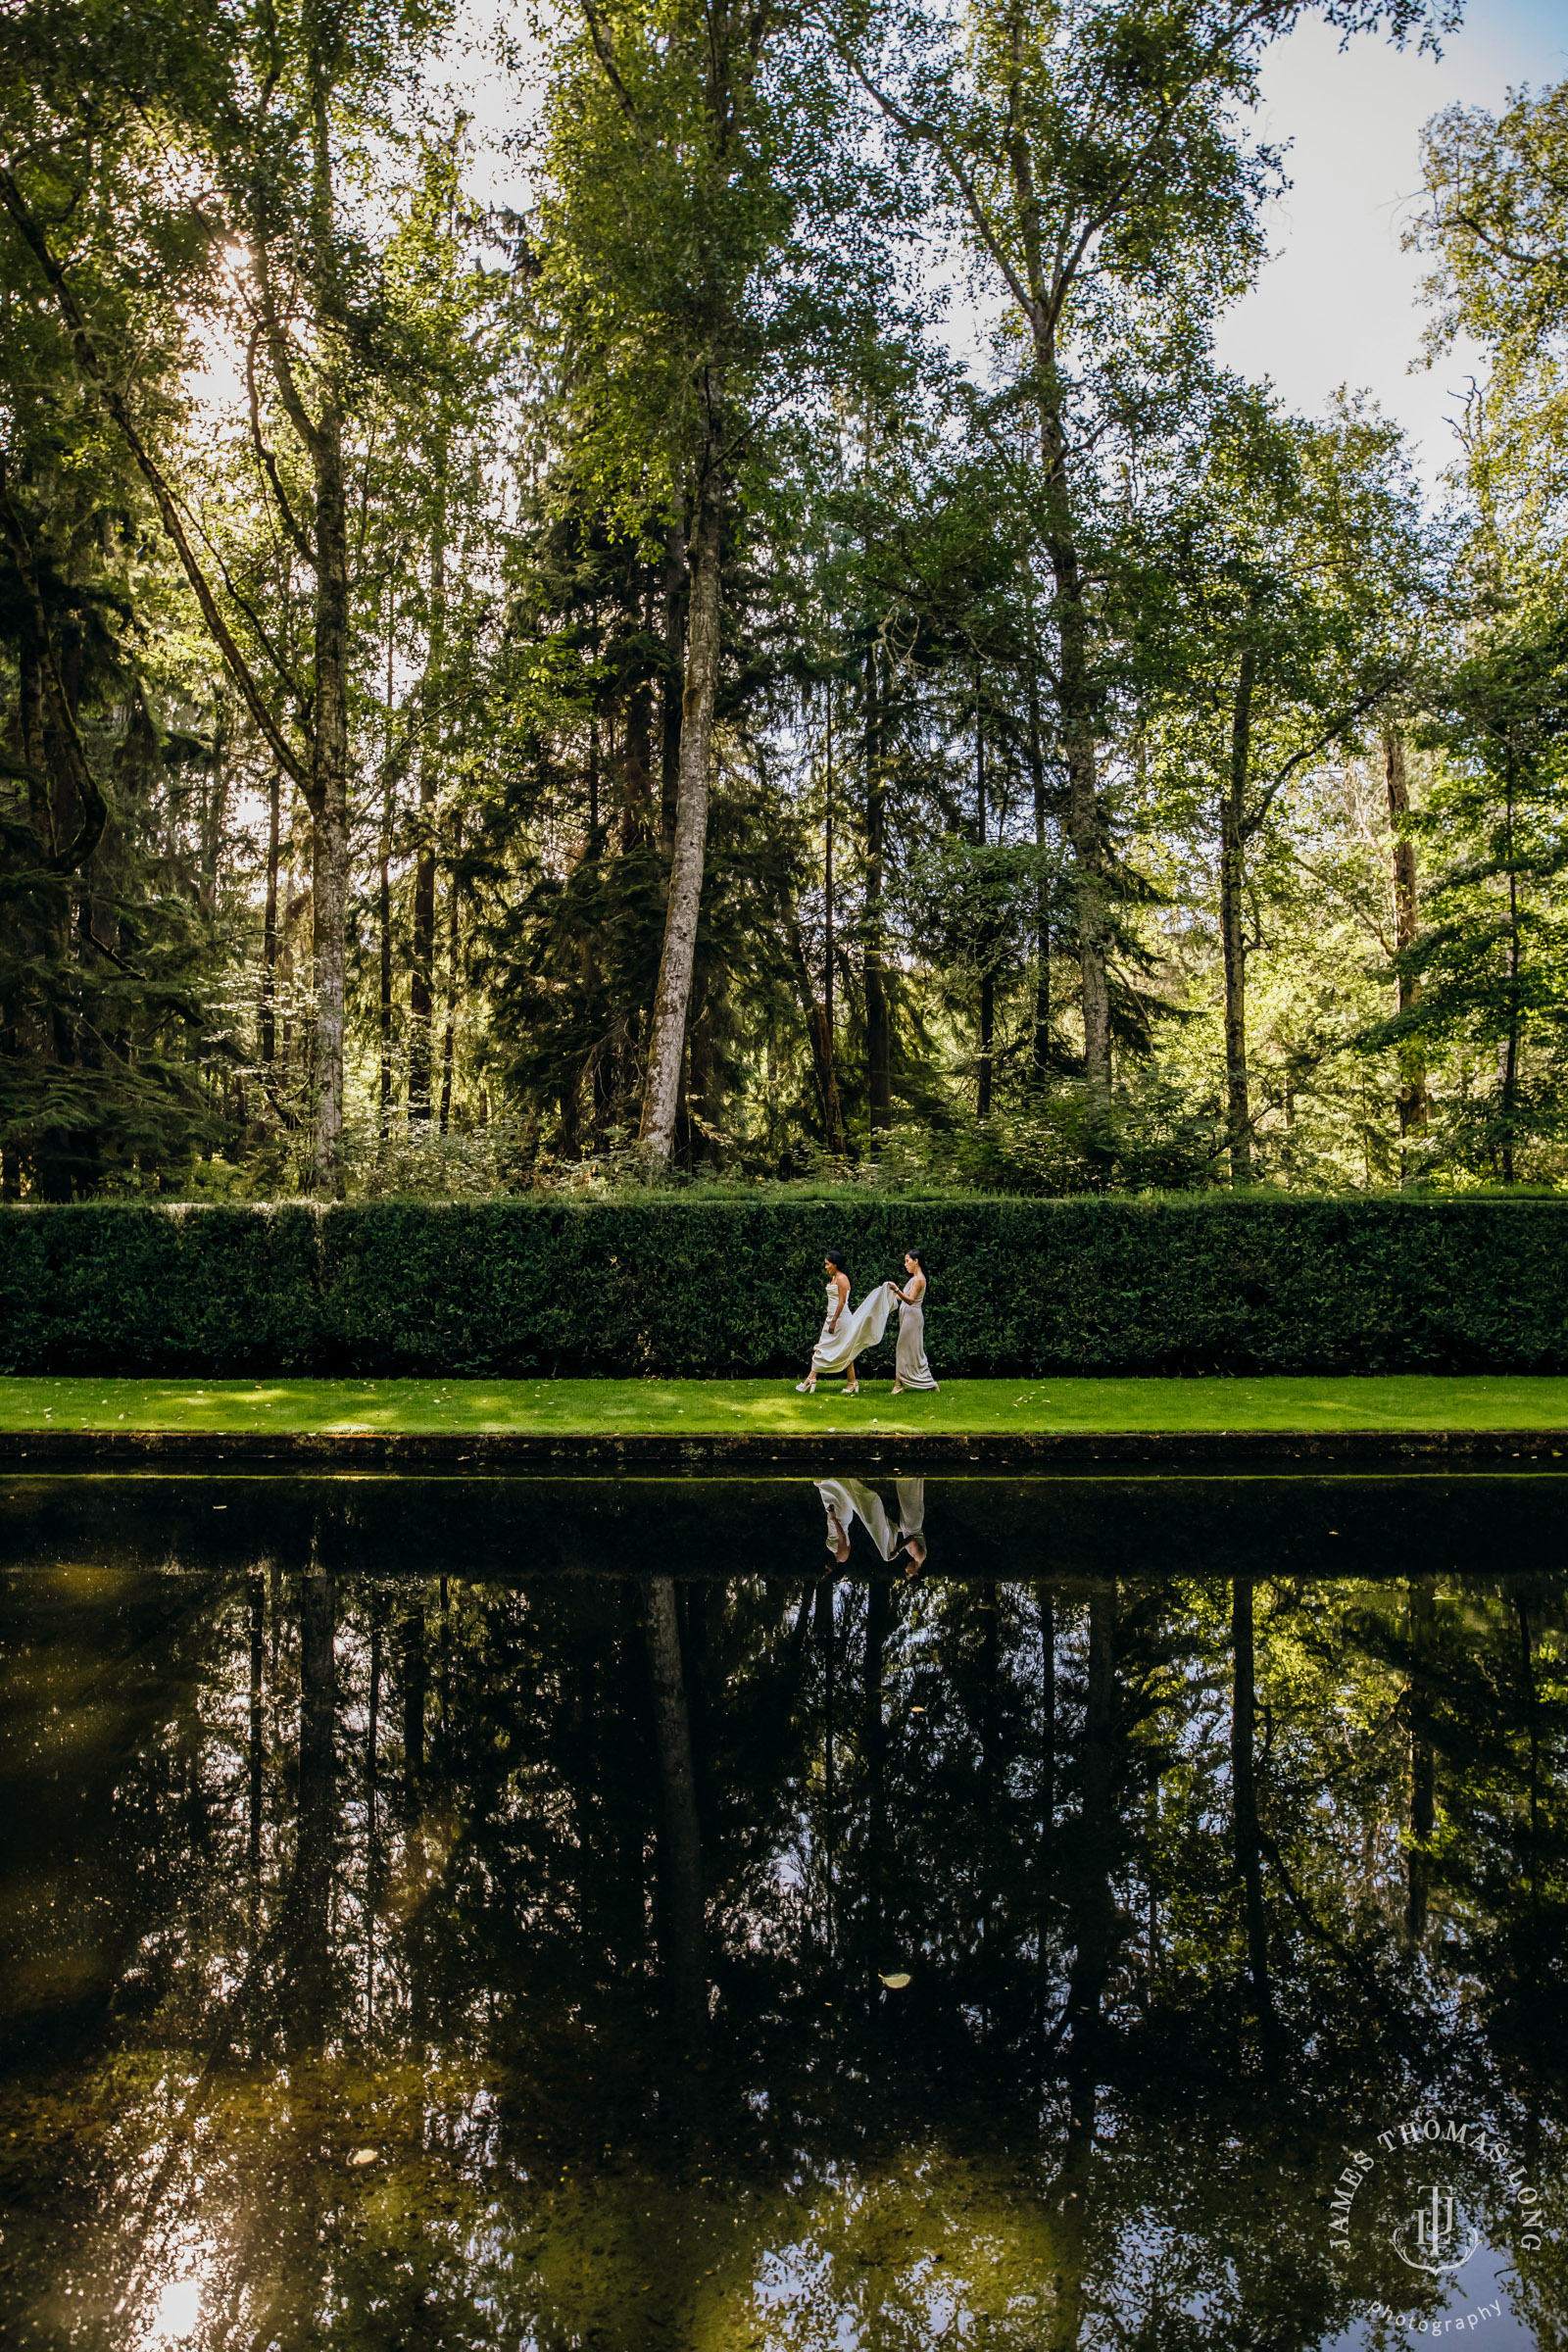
(910, 1369)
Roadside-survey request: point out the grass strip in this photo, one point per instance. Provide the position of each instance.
(771, 1408)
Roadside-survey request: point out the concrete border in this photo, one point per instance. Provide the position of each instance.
(640, 1451)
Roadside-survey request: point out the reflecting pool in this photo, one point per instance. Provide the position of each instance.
(840, 1915)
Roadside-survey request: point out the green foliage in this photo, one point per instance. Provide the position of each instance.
(727, 1286)
(1083, 654)
(94, 1289)
(1489, 965)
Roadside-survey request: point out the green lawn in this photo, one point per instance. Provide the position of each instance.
(770, 1408)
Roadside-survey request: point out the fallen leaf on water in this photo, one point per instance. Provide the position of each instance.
(363, 2155)
(898, 1981)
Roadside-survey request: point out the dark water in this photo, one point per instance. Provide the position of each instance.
(463, 1914)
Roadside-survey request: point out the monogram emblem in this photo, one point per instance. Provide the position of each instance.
(1439, 2238)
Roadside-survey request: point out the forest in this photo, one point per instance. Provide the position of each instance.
(655, 593)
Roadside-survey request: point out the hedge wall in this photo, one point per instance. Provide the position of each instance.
(733, 1287)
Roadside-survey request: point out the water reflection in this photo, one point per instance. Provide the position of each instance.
(899, 1533)
(477, 1915)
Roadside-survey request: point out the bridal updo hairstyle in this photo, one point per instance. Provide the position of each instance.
(836, 1259)
(918, 1257)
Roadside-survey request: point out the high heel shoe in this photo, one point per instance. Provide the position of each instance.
(852, 1391)
(806, 1388)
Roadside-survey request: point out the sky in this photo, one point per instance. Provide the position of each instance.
(1340, 302)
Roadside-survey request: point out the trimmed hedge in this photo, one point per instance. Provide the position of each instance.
(117, 1287)
(727, 1288)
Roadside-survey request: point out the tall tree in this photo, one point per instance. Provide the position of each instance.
(1299, 553)
(1488, 958)
(700, 248)
(1407, 927)
(283, 95)
(1091, 155)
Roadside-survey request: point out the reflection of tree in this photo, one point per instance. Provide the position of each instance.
(1423, 1765)
(1487, 1698)
(1098, 2134)
(875, 1749)
(1244, 1793)
(414, 1690)
(310, 1939)
(254, 1748)
(686, 1954)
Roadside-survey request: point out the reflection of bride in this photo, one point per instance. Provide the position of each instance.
(846, 1499)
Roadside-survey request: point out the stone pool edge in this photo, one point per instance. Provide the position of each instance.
(507, 1449)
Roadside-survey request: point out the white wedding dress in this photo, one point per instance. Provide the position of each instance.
(846, 1499)
(858, 1329)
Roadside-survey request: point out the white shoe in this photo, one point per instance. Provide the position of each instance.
(806, 1388)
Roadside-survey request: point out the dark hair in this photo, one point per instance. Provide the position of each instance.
(918, 1257)
(835, 1258)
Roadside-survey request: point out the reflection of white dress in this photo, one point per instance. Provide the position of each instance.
(872, 1514)
(856, 1330)
(840, 1512)
(912, 1506)
(846, 1499)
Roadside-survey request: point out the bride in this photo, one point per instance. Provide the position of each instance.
(844, 1335)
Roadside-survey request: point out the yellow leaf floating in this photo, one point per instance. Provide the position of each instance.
(898, 1981)
(369, 2155)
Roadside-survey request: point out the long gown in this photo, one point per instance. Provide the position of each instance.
(910, 1368)
(846, 1499)
(835, 1350)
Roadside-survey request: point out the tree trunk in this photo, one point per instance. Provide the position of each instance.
(827, 1628)
(1041, 1056)
(414, 1680)
(1074, 684)
(1086, 827)
(877, 1614)
(821, 1042)
(269, 1036)
(672, 999)
(878, 1035)
(329, 829)
(1095, 1909)
(1423, 1768)
(421, 969)
(1412, 1054)
(1093, 1925)
(1048, 1792)
(384, 919)
(329, 749)
(675, 607)
(833, 1116)
(1244, 1791)
(449, 1033)
(1509, 1058)
(686, 1959)
(637, 829)
(1232, 919)
(310, 1905)
(987, 977)
(255, 1752)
